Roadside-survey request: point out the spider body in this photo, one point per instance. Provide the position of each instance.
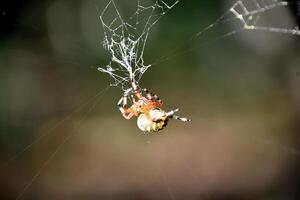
(148, 125)
(148, 108)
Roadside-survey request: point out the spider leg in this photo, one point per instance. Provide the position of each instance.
(122, 104)
(183, 119)
(152, 96)
(123, 101)
(127, 92)
(171, 115)
(148, 94)
(134, 85)
(172, 112)
(133, 99)
(127, 114)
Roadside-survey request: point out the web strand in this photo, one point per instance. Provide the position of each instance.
(44, 165)
(250, 18)
(53, 128)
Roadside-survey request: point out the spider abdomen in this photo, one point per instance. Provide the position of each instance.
(154, 122)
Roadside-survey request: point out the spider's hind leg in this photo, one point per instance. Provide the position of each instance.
(183, 119)
(172, 112)
(171, 115)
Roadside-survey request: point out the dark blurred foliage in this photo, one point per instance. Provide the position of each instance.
(295, 5)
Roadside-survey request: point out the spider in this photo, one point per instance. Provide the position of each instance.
(151, 117)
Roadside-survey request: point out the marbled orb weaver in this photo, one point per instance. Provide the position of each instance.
(148, 109)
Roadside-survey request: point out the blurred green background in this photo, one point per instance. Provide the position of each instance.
(242, 93)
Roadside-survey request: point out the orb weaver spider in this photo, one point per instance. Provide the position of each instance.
(151, 117)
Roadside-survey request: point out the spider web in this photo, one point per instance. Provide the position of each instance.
(125, 40)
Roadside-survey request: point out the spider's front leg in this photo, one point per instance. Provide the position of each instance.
(122, 104)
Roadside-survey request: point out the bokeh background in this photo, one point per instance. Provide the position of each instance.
(62, 136)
